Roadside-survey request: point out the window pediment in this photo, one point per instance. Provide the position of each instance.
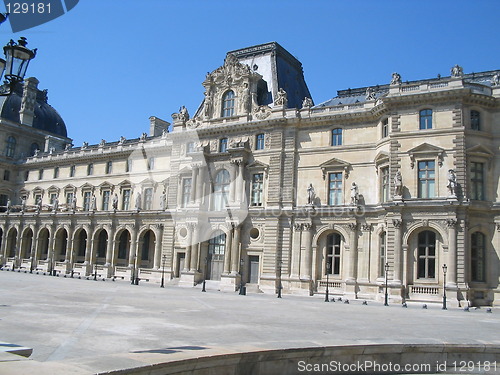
(426, 150)
(480, 151)
(381, 158)
(258, 166)
(335, 164)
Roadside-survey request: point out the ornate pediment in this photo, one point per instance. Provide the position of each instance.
(480, 151)
(233, 77)
(333, 165)
(381, 158)
(426, 150)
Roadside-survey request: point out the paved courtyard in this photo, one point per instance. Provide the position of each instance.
(85, 326)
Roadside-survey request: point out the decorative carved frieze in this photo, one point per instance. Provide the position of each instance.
(396, 223)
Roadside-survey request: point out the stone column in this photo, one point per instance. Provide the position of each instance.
(353, 253)
(295, 261)
(194, 250)
(235, 247)
(451, 259)
(109, 247)
(194, 183)
(233, 182)
(189, 241)
(227, 253)
(240, 186)
(17, 255)
(307, 237)
(50, 252)
(199, 184)
(132, 248)
(3, 247)
(158, 238)
(397, 224)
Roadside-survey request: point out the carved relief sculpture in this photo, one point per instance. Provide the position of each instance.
(281, 98)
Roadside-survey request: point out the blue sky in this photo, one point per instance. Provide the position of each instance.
(110, 64)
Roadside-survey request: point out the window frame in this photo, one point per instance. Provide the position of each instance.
(106, 199)
(72, 170)
(223, 145)
(426, 260)
(333, 255)
(477, 185)
(260, 141)
(425, 119)
(10, 146)
(228, 104)
(257, 190)
(477, 257)
(425, 181)
(109, 167)
(90, 169)
(148, 199)
(385, 184)
(221, 190)
(186, 186)
(338, 193)
(475, 120)
(385, 128)
(336, 137)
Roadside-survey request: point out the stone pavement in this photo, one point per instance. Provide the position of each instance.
(85, 326)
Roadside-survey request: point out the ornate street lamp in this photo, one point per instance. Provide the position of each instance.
(17, 59)
(328, 265)
(386, 301)
(163, 259)
(242, 262)
(444, 286)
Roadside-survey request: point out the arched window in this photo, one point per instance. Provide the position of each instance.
(333, 258)
(33, 148)
(426, 119)
(228, 104)
(426, 257)
(10, 147)
(221, 190)
(337, 137)
(477, 256)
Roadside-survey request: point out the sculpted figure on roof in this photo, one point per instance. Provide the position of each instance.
(396, 79)
(457, 71)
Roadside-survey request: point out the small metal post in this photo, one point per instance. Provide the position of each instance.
(327, 281)
(279, 280)
(386, 301)
(95, 270)
(445, 268)
(164, 258)
(242, 262)
(205, 275)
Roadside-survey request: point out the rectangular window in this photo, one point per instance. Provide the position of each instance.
(3, 200)
(53, 197)
(385, 185)
(385, 128)
(478, 257)
(26, 175)
(337, 137)
(86, 200)
(257, 189)
(72, 171)
(6, 175)
(426, 179)
(56, 172)
(151, 163)
(477, 181)
(40, 174)
(426, 119)
(69, 199)
(259, 141)
(106, 196)
(128, 165)
(38, 198)
(186, 192)
(223, 145)
(126, 199)
(190, 147)
(334, 189)
(90, 169)
(109, 167)
(148, 199)
(475, 120)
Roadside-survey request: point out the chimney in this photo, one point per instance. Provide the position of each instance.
(28, 102)
(157, 126)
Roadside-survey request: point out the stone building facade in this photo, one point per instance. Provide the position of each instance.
(263, 188)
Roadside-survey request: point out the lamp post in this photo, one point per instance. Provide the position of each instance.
(279, 279)
(386, 300)
(328, 265)
(205, 275)
(242, 262)
(445, 268)
(132, 276)
(95, 270)
(17, 59)
(163, 259)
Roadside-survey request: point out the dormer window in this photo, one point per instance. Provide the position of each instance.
(228, 104)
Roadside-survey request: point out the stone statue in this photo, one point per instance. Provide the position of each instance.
(55, 205)
(85, 145)
(452, 183)
(138, 200)
(208, 104)
(281, 98)
(122, 140)
(398, 184)
(183, 114)
(68, 146)
(9, 203)
(143, 137)
(73, 203)
(245, 99)
(396, 79)
(354, 194)
(307, 103)
(495, 81)
(457, 71)
(310, 194)
(93, 203)
(23, 204)
(37, 151)
(102, 143)
(39, 205)
(163, 201)
(370, 94)
(114, 202)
